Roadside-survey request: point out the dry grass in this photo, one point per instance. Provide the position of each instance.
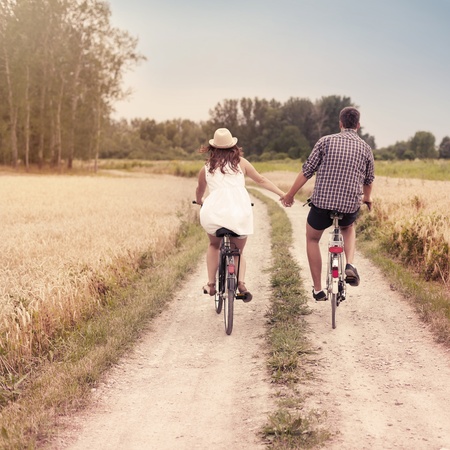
(65, 241)
(416, 223)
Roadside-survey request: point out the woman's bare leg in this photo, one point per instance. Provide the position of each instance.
(212, 257)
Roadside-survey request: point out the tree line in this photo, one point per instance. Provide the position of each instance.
(61, 71)
(266, 129)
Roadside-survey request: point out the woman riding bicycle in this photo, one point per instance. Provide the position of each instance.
(228, 204)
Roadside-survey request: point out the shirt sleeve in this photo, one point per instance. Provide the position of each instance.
(314, 160)
(370, 168)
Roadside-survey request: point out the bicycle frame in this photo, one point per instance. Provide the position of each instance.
(227, 252)
(228, 276)
(336, 288)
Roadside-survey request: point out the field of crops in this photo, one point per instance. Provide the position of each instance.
(65, 240)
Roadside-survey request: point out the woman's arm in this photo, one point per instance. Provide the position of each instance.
(261, 180)
(201, 186)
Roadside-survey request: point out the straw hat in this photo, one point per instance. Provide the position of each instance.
(223, 139)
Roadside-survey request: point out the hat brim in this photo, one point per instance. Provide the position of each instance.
(223, 147)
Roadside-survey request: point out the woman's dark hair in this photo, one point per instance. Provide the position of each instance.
(349, 117)
(221, 157)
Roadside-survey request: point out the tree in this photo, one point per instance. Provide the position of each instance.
(326, 114)
(292, 142)
(300, 112)
(423, 145)
(444, 148)
(61, 69)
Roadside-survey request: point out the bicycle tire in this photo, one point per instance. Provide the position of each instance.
(221, 276)
(334, 305)
(228, 299)
(218, 302)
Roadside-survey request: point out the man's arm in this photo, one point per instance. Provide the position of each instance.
(288, 199)
(367, 191)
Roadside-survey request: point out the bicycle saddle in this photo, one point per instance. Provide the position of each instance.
(339, 215)
(221, 232)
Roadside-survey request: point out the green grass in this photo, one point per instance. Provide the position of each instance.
(431, 169)
(434, 169)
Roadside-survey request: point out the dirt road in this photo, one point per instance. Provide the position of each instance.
(382, 383)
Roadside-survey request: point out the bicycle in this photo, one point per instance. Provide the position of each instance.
(227, 278)
(336, 284)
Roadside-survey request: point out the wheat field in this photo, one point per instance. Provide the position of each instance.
(64, 238)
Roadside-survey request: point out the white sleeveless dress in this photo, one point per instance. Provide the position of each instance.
(228, 204)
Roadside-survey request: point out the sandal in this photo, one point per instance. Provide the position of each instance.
(243, 291)
(210, 288)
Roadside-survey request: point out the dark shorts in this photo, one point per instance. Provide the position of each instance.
(320, 219)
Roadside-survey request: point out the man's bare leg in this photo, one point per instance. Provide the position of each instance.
(314, 256)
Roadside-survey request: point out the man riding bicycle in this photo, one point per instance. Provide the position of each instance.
(344, 168)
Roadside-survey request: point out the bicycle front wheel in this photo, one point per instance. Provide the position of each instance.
(228, 309)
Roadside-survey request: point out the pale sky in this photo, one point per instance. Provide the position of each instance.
(391, 57)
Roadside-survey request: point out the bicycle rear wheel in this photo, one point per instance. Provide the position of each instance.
(218, 302)
(228, 299)
(334, 304)
(221, 279)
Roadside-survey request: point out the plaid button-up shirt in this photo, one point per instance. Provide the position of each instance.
(342, 163)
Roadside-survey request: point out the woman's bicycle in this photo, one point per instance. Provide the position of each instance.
(227, 278)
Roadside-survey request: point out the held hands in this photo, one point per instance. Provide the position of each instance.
(287, 200)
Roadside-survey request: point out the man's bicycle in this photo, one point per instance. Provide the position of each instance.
(335, 286)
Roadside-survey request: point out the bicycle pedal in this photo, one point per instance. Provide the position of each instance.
(247, 297)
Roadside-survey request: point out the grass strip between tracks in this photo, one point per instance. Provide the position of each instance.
(289, 427)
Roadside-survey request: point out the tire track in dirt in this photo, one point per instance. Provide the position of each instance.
(188, 385)
(382, 381)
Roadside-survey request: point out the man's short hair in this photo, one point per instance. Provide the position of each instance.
(349, 117)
